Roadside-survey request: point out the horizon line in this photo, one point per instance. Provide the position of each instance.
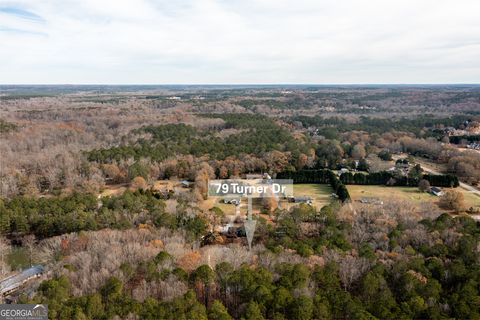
(246, 84)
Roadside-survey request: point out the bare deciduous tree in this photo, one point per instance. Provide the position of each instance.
(28, 242)
(453, 200)
(4, 250)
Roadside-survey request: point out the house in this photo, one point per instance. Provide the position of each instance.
(369, 200)
(436, 191)
(474, 146)
(304, 199)
(449, 130)
(224, 229)
(185, 183)
(258, 176)
(313, 131)
(235, 201)
(15, 282)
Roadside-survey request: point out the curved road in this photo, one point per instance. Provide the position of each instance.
(463, 185)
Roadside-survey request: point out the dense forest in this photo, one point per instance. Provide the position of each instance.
(380, 125)
(256, 135)
(48, 217)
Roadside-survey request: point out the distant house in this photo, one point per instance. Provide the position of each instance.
(449, 130)
(224, 229)
(313, 131)
(303, 199)
(436, 191)
(474, 146)
(235, 201)
(368, 200)
(258, 176)
(185, 183)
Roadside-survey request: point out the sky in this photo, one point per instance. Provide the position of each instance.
(239, 41)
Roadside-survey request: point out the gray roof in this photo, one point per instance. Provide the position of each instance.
(304, 198)
(15, 281)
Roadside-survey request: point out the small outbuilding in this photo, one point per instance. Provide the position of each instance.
(436, 191)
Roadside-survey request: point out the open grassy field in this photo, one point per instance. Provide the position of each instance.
(228, 209)
(404, 193)
(471, 199)
(320, 193)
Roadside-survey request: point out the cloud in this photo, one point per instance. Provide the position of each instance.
(21, 13)
(240, 41)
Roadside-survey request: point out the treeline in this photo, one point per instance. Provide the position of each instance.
(243, 120)
(322, 176)
(461, 139)
(325, 176)
(166, 140)
(52, 216)
(261, 135)
(381, 125)
(289, 104)
(389, 178)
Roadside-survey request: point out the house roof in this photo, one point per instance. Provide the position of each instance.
(303, 198)
(15, 281)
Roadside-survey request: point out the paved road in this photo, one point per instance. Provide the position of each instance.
(463, 185)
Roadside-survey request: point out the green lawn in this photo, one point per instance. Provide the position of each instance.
(471, 199)
(320, 193)
(229, 209)
(404, 193)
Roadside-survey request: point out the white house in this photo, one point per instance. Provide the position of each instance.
(436, 191)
